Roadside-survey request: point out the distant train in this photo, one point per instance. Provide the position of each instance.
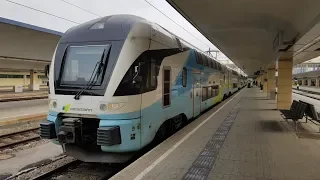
(119, 82)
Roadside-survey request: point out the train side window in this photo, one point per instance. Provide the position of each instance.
(166, 95)
(204, 93)
(210, 95)
(219, 66)
(204, 60)
(213, 92)
(210, 62)
(235, 85)
(153, 74)
(198, 57)
(184, 77)
(214, 65)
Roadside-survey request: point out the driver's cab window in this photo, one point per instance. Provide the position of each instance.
(148, 70)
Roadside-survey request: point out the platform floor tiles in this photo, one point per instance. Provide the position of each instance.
(246, 139)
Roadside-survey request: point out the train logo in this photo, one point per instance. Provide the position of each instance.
(66, 108)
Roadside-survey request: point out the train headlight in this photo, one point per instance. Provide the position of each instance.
(111, 106)
(115, 106)
(103, 107)
(53, 104)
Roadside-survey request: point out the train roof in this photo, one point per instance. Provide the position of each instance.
(107, 29)
(102, 29)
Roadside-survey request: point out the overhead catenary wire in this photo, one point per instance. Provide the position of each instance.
(95, 14)
(42, 11)
(180, 26)
(151, 6)
(90, 12)
(175, 22)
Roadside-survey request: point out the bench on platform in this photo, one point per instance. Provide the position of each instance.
(292, 109)
(296, 112)
(311, 113)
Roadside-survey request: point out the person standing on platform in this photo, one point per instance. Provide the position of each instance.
(297, 85)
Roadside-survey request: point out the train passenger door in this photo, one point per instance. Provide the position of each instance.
(196, 88)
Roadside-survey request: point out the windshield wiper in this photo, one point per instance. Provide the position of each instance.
(95, 74)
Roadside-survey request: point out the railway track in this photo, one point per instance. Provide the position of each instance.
(20, 137)
(302, 94)
(76, 169)
(306, 91)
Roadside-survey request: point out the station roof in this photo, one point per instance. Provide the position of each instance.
(25, 42)
(310, 74)
(246, 30)
(29, 26)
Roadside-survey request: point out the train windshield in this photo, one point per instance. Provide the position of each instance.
(84, 65)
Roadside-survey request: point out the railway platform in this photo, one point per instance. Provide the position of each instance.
(29, 95)
(15, 112)
(243, 138)
(311, 92)
(308, 88)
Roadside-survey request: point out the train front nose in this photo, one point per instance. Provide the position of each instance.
(77, 131)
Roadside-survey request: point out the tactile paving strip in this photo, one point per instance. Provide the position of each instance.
(202, 166)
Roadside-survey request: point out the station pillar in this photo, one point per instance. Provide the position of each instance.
(284, 84)
(271, 80)
(33, 86)
(309, 82)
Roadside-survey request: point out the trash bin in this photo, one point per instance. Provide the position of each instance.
(273, 94)
(18, 88)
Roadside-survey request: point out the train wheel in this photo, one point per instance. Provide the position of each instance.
(161, 133)
(184, 120)
(178, 122)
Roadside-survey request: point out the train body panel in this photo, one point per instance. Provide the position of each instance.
(145, 80)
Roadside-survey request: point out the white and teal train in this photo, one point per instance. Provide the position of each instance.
(119, 82)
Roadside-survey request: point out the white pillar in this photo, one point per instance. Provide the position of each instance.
(33, 86)
(309, 82)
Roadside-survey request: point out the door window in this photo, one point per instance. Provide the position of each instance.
(166, 87)
(184, 77)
